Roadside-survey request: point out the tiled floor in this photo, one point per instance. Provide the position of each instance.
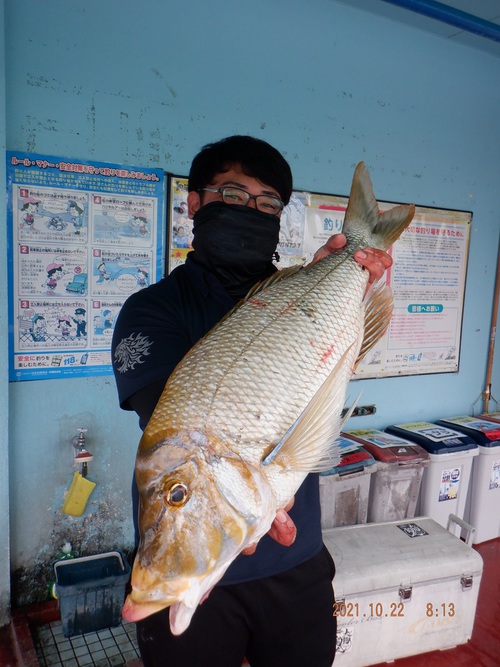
(112, 647)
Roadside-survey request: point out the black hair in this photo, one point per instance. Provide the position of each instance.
(256, 157)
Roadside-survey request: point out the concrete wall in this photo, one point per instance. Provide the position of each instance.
(4, 387)
(147, 84)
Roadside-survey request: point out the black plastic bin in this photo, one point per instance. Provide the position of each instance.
(91, 591)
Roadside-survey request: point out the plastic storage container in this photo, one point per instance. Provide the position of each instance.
(446, 480)
(395, 485)
(345, 489)
(401, 589)
(485, 493)
(91, 591)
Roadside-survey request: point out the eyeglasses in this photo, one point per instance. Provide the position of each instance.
(264, 203)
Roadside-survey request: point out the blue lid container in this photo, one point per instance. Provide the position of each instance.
(485, 433)
(353, 459)
(434, 438)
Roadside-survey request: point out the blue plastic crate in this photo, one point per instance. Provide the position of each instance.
(91, 591)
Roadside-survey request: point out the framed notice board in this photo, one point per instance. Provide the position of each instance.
(427, 277)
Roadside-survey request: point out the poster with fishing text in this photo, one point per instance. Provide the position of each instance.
(427, 277)
(83, 236)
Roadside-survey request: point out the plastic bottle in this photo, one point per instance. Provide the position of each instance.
(66, 553)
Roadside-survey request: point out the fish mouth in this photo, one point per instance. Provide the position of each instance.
(134, 611)
(180, 614)
(188, 594)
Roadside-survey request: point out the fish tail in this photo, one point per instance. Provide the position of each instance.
(365, 221)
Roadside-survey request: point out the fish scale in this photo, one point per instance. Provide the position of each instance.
(238, 352)
(251, 410)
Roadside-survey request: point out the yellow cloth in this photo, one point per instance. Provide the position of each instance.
(78, 495)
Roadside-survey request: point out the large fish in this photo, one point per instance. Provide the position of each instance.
(251, 410)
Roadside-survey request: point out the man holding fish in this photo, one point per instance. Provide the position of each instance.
(231, 592)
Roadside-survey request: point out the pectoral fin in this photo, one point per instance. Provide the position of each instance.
(309, 445)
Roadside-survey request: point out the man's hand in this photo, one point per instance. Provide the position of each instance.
(283, 530)
(375, 261)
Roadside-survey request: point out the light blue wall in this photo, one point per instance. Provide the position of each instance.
(148, 83)
(4, 388)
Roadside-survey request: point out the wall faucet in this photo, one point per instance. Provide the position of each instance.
(82, 455)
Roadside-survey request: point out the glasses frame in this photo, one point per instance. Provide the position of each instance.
(249, 197)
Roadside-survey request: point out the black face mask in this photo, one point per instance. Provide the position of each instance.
(236, 243)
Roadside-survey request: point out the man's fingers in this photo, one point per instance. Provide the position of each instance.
(375, 261)
(334, 243)
(282, 530)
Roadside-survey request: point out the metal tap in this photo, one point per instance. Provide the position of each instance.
(82, 455)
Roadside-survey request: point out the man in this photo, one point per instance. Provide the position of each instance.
(274, 605)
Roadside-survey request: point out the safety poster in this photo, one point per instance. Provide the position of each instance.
(83, 236)
(427, 278)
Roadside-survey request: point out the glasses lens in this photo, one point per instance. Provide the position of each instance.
(268, 204)
(264, 203)
(235, 196)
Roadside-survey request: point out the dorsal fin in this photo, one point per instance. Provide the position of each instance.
(276, 277)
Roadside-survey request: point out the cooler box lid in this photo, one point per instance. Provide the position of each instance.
(389, 448)
(380, 556)
(485, 433)
(434, 438)
(353, 458)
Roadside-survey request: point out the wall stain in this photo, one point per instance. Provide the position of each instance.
(100, 531)
(159, 75)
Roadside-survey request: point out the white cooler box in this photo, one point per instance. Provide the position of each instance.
(402, 588)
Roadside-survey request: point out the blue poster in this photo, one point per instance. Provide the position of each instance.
(83, 236)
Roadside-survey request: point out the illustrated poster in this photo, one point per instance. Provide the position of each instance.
(83, 236)
(427, 277)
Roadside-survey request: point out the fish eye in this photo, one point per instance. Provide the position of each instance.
(176, 493)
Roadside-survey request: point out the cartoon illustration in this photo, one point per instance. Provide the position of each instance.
(140, 223)
(78, 284)
(76, 212)
(109, 319)
(38, 329)
(30, 209)
(64, 325)
(54, 274)
(142, 277)
(98, 328)
(56, 223)
(81, 324)
(103, 274)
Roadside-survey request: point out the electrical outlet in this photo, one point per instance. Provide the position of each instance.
(361, 410)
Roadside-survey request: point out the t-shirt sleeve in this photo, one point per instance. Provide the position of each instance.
(149, 340)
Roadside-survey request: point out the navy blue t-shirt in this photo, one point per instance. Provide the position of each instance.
(155, 329)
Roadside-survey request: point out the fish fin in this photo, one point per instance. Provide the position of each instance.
(364, 217)
(317, 424)
(349, 411)
(274, 278)
(378, 305)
